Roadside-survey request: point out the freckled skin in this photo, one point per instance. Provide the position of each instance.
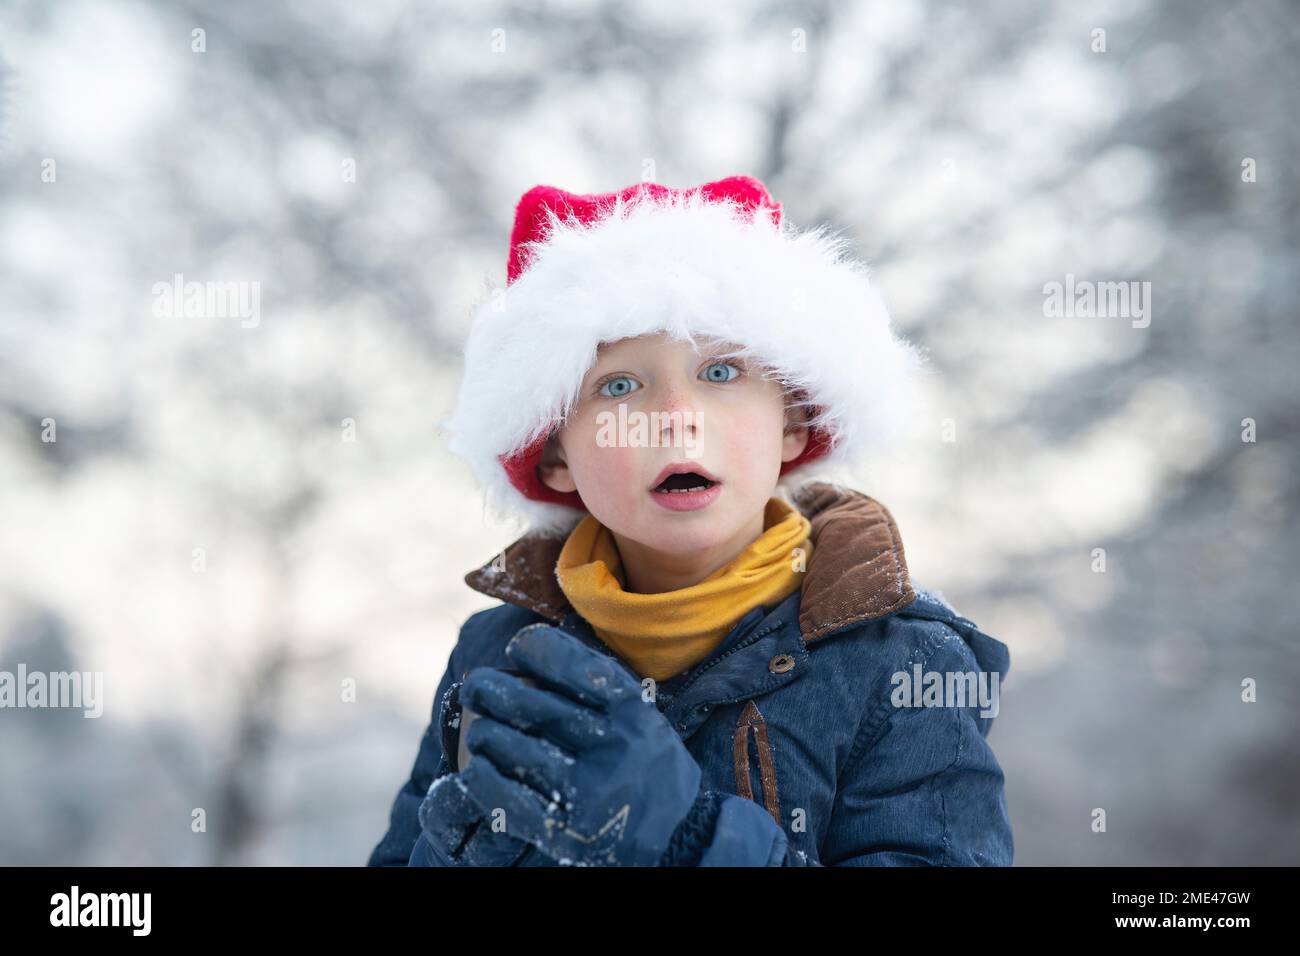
(736, 429)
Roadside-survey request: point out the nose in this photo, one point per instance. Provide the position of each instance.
(680, 414)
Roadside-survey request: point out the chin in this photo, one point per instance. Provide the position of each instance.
(684, 533)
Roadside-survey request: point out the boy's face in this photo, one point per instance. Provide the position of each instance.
(718, 415)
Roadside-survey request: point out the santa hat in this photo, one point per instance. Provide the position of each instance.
(712, 262)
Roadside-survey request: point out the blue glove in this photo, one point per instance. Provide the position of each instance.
(723, 829)
(454, 831)
(584, 769)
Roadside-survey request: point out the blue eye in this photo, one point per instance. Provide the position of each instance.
(713, 378)
(611, 387)
(611, 381)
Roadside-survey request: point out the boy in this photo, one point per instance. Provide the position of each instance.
(688, 669)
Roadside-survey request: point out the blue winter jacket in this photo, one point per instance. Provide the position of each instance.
(800, 709)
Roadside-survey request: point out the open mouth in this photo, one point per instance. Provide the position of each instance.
(684, 483)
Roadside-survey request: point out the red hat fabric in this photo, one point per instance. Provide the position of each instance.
(531, 214)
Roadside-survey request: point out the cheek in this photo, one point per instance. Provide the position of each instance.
(754, 437)
(608, 471)
(613, 467)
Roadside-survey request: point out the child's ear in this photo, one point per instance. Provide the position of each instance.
(552, 468)
(795, 439)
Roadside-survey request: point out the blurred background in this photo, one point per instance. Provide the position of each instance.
(253, 530)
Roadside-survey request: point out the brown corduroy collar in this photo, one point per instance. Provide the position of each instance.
(857, 571)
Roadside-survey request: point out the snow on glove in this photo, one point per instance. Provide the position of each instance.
(454, 829)
(584, 769)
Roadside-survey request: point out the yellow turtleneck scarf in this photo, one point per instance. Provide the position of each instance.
(664, 634)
